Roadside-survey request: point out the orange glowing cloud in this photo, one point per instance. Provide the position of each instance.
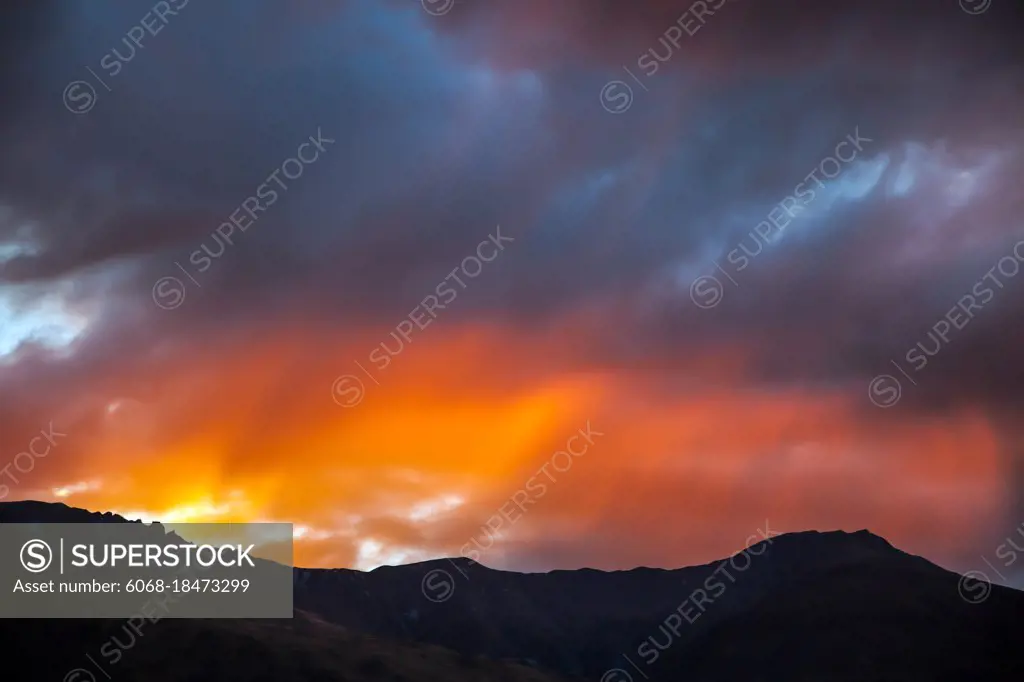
(456, 426)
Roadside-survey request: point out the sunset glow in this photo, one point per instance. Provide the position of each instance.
(374, 282)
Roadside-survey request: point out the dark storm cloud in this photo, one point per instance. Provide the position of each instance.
(446, 127)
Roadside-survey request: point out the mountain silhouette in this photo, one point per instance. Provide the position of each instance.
(799, 606)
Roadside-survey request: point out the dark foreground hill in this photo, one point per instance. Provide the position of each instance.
(303, 649)
(800, 606)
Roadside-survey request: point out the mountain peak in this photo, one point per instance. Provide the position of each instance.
(857, 537)
(832, 545)
(461, 564)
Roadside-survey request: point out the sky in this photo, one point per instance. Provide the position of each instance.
(561, 284)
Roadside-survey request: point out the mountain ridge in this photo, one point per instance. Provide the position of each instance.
(38, 511)
(808, 605)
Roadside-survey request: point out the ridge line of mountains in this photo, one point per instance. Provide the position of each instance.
(797, 606)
